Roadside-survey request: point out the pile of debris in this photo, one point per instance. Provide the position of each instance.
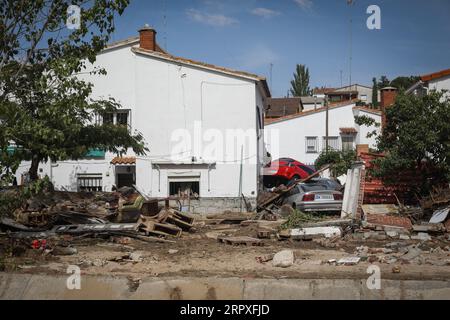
(123, 213)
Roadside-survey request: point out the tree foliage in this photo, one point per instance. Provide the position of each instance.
(374, 93)
(417, 132)
(341, 161)
(45, 107)
(415, 139)
(300, 83)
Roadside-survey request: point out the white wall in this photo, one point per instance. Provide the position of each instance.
(440, 84)
(293, 132)
(165, 97)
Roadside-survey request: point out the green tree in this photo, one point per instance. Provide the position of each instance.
(45, 109)
(300, 84)
(374, 93)
(341, 161)
(403, 83)
(383, 82)
(415, 137)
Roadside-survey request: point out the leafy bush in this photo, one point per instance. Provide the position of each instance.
(297, 218)
(12, 199)
(341, 161)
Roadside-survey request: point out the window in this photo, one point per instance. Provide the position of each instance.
(184, 188)
(121, 117)
(89, 182)
(333, 143)
(312, 145)
(108, 118)
(347, 142)
(364, 97)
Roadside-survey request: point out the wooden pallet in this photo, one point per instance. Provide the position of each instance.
(236, 241)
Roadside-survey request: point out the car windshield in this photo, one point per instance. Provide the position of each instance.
(313, 187)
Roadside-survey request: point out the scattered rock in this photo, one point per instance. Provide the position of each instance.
(283, 259)
(265, 258)
(64, 251)
(173, 251)
(135, 257)
(349, 261)
(396, 269)
(422, 236)
(412, 253)
(404, 237)
(98, 263)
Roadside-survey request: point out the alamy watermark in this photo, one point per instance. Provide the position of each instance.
(73, 17)
(73, 282)
(374, 280)
(374, 20)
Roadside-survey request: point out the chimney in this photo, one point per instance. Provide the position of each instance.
(147, 37)
(388, 95)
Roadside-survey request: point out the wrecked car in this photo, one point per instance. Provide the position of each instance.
(285, 171)
(315, 197)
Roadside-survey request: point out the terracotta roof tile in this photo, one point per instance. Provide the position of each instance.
(268, 121)
(435, 75)
(124, 161)
(348, 130)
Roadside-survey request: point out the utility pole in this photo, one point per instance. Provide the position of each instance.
(350, 3)
(326, 125)
(341, 77)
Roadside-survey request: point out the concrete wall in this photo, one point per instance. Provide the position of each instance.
(42, 287)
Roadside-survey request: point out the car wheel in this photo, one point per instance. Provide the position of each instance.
(294, 206)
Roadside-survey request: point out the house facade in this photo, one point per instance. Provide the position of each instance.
(302, 136)
(434, 81)
(203, 125)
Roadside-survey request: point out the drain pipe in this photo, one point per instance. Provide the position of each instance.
(209, 177)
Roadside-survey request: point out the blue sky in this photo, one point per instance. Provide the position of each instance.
(248, 35)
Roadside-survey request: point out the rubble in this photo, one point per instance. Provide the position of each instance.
(283, 259)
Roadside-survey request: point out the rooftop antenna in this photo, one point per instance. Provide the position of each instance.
(351, 3)
(271, 79)
(165, 24)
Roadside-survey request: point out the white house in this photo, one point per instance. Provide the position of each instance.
(203, 125)
(302, 136)
(434, 81)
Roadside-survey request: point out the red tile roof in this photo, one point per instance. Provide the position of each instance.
(435, 75)
(124, 161)
(348, 130)
(268, 121)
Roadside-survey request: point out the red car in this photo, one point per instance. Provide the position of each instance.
(285, 171)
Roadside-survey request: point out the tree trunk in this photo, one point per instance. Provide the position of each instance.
(33, 172)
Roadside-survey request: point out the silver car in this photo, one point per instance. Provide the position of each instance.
(314, 197)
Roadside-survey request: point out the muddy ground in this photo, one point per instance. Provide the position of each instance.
(198, 253)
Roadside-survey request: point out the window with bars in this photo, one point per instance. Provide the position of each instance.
(347, 142)
(89, 182)
(333, 143)
(312, 145)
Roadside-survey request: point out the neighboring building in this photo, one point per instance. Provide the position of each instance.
(434, 81)
(280, 107)
(167, 99)
(312, 103)
(347, 93)
(302, 136)
(321, 92)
